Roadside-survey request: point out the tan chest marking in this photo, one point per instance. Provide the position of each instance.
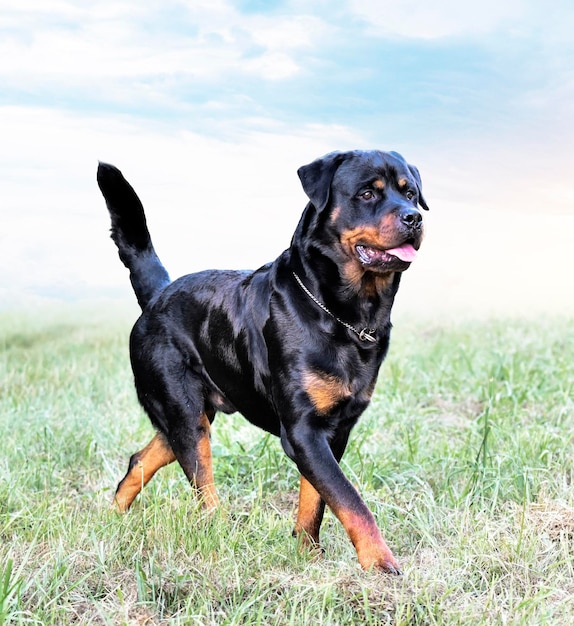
(325, 390)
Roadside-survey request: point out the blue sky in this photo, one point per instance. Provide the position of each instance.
(210, 106)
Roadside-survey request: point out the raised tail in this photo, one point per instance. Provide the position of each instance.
(130, 234)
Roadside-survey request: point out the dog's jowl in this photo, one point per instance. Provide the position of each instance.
(294, 346)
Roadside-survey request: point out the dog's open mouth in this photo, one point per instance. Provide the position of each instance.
(376, 257)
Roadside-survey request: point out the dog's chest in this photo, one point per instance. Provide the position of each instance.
(335, 394)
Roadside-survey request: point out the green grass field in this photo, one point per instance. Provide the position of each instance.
(465, 456)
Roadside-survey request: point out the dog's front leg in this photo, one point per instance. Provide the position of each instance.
(310, 450)
(309, 515)
(311, 504)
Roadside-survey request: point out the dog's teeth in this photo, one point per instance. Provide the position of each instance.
(365, 254)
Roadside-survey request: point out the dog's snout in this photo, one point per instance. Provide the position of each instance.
(411, 217)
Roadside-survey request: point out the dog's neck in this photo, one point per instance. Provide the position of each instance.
(361, 304)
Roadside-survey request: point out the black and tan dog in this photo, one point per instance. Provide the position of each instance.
(294, 346)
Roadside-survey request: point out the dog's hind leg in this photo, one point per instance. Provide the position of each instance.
(143, 465)
(192, 447)
(193, 454)
(174, 397)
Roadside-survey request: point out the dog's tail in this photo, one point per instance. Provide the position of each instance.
(130, 234)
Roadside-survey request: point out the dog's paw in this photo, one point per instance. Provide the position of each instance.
(382, 562)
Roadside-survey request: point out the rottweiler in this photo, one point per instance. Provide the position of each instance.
(294, 346)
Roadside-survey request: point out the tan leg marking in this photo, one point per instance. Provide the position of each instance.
(143, 465)
(309, 515)
(372, 551)
(204, 481)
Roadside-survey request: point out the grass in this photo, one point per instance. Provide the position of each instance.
(465, 457)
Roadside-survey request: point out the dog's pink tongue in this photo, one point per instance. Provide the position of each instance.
(405, 252)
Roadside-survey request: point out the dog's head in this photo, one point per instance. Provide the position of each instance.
(365, 210)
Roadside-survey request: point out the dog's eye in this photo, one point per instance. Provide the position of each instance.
(410, 194)
(367, 195)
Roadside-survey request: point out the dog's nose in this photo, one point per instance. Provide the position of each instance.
(410, 217)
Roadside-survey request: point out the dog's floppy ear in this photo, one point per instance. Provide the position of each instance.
(415, 172)
(316, 177)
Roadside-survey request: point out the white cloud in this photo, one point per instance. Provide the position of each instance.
(65, 40)
(273, 66)
(437, 19)
(289, 33)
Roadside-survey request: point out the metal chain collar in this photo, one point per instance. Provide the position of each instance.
(365, 334)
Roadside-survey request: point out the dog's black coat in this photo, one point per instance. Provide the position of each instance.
(257, 343)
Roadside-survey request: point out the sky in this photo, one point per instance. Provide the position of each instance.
(209, 107)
